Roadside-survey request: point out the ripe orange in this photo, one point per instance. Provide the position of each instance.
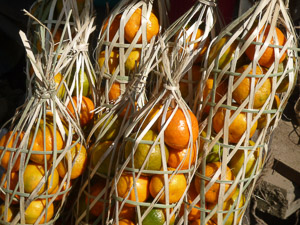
(177, 133)
(86, 113)
(212, 195)
(112, 61)
(35, 209)
(125, 183)
(177, 156)
(78, 158)
(58, 78)
(177, 186)
(13, 143)
(113, 28)
(95, 190)
(242, 91)
(133, 60)
(185, 81)
(10, 213)
(268, 56)
(127, 213)
(150, 117)
(125, 222)
(14, 179)
(236, 128)
(221, 90)
(194, 213)
(155, 159)
(134, 23)
(44, 135)
(33, 175)
(114, 92)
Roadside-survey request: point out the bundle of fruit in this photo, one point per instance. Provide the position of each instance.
(251, 70)
(43, 152)
(125, 33)
(69, 27)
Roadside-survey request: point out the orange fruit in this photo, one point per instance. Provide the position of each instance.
(78, 157)
(155, 160)
(221, 90)
(133, 60)
(194, 213)
(58, 78)
(125, 183)
(134, 23)
(95, 190)
(33, 175)
(177, 186)
(150, 117)
(112, 61)
(212, 195)
(113, 28)
(176, 157)
(268, 56)
(127, 213)
(262, 121)
(198, 222)
(236, 128)
(10, 213)
(35, 209)
(14, 179)
(86, 113)
(177, 133)
(155, 216)
(63, 189)
(44, 135)
(13, 143)
(185, 81)
(125, 222)
(242, 91)
(114, 92)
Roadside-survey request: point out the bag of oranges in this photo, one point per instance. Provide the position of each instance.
(121, 43)
(71, 24)
(43, 151)
(94, 203)
(241, 104)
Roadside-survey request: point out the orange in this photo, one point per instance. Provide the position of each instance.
(86, 113)
(114, 92)
(127, 213)
(113, 28)
(134, 23)
(185, 81)
(10, 213)
(177, 186)
(268, 57)
(150, 117)
(112, 61)
(64, 188)
(177, 133)
(133, 60)
(33, 175)
(35, 209)
(44, 135)
(13, 143)
(236, 129)
(154, 161)
(212, 195)
(262, 121)
(220, 91)
(176, 157)
(14, 179)
(154, 216)
(78, 157)
(58, 78)
(194, 213)
(242, 91)
(125, 183)
(95, 190)
(198, 222)
(125, 222)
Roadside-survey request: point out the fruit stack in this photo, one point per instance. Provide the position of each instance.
(251, 70)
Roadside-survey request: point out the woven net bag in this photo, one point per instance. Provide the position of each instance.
(40, 149)
(124, 34)
(249, 73)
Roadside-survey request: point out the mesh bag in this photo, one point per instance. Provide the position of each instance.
(39, 150)
(121, 44)
(241, 99)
